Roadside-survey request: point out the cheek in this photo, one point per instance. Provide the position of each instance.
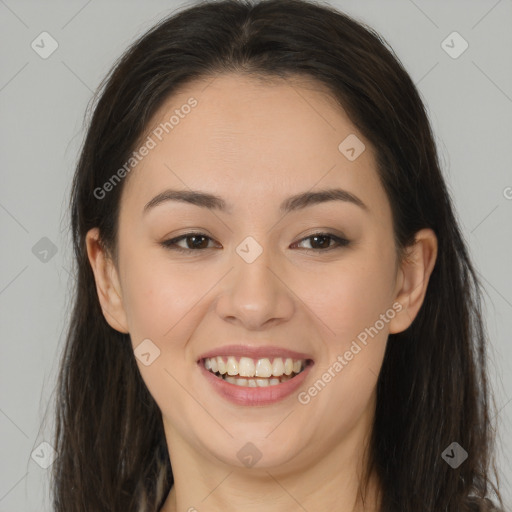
(158, 296)
(350, 296)
(356, 306)
(162, 306)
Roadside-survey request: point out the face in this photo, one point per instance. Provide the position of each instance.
(253, 274)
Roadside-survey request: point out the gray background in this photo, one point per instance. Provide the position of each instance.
(43, 101)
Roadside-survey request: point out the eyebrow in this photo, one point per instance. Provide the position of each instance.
(293, 203)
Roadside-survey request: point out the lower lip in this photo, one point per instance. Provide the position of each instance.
(244, 395)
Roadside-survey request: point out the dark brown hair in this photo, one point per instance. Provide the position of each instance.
(432, 389)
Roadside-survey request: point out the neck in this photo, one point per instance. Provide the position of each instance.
(277, 497)
(328, 480)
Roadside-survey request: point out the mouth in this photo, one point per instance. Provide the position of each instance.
(248, 372)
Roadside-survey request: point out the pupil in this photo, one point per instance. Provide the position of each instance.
(322, 237)
(195, 237)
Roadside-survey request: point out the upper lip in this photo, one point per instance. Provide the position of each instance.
(254, 352)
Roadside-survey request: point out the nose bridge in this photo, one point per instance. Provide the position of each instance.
(254, 294)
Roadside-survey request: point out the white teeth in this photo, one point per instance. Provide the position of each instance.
(221, 365)
(278, 367)
(232, 366)
(253, 383)
(263, 368)
(247, 367)
(288, 366)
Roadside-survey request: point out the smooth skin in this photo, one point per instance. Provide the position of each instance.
(255, 144)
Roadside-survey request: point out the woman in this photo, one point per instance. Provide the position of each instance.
(275, 308)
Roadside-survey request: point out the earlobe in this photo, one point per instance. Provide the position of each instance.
(107, 282)
(414, 276)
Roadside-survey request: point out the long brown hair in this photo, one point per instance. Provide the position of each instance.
(432, 389)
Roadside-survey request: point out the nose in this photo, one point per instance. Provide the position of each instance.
(255, 294)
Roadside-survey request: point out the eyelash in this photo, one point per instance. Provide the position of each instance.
(171, 243)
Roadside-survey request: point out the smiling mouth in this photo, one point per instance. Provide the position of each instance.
(248, 372)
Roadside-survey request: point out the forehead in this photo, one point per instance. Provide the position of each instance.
(251, 141)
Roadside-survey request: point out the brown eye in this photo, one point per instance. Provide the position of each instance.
(321, 242)
(193, 241)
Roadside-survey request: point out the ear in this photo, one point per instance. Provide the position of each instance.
(413, 277)
(107, 282)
